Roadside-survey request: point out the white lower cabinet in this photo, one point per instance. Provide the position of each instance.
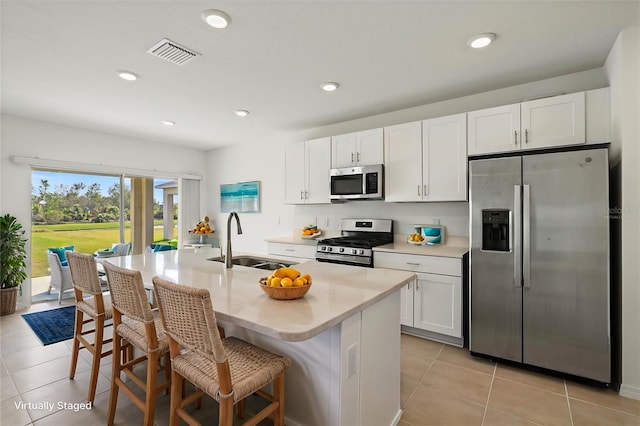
(305, 251)
(433, 302)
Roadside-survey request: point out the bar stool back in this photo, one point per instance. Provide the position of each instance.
(228, 370)
(97, 308)
(135, 325)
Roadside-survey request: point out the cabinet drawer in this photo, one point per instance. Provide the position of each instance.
(419, 263)
(293, 250)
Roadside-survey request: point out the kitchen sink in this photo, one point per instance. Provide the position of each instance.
(256, 262)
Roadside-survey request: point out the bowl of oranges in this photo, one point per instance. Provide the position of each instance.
(310, 231)
(286, 284)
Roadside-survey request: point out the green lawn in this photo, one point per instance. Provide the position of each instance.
(86, 237)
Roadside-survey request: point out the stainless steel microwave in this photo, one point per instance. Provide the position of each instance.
(357, 183)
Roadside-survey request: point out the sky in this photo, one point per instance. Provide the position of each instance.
(68, 179)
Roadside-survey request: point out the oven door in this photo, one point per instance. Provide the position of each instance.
(345, 259)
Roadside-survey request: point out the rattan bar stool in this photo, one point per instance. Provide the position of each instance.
(141, 330)
(226, 369)
(97, 308)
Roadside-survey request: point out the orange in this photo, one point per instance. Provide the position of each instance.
(286, 282)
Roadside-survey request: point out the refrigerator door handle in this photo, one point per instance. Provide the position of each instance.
(516, 239)
(526, 235)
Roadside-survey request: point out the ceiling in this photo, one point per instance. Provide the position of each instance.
(59, 60)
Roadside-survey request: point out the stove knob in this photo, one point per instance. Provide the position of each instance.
(354, 251)
(323, 248)
(361, 251)
(329, 249)
(341, 250)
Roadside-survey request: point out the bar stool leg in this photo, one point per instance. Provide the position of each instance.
(76, 344)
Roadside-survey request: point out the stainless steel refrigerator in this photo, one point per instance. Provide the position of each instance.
(539, 262)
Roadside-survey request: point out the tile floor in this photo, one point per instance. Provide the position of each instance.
(440, 385)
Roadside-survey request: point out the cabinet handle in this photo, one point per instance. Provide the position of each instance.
(515, 137)
(417, 286)
(352, 157)
(418, 190)
(357, 157)
(424, 190)
(301, 193)
(306, 195)
(413, 263)
(409, 286)
(289, 249)
(526, 135)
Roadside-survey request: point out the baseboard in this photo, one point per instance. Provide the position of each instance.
(397, 418)
(630, 392)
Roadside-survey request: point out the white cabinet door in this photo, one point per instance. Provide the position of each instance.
(444, 158)
(294, 173)
(370, 147)
(343, 150)
(555, 121)
(306, 174)
(437, 304)
(357, 149)
(494, 130)
(318, 164)
(403, 162)
(406, 304)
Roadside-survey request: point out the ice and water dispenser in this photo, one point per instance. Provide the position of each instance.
(495, 229)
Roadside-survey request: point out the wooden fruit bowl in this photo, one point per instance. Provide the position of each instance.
(283, 293)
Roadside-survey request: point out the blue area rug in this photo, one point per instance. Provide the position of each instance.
(52, 326)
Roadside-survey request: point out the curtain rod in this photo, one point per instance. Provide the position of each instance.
(99, 168)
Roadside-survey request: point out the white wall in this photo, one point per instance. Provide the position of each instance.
(623, 73)
(263, 160)
(30, 138)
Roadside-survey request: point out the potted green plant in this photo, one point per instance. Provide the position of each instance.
(13, 256)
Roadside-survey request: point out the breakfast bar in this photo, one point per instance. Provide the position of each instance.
(347, 324)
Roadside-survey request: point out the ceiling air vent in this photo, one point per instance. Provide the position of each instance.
(172, 52)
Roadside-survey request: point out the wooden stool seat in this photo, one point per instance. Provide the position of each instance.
(227, 369)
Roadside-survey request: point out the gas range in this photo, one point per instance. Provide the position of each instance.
(354, 246)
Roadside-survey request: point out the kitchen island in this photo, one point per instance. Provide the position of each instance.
(343, 337)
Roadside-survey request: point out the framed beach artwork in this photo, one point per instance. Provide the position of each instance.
(242, 197)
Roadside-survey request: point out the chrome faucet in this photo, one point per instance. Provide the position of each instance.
(227, 258)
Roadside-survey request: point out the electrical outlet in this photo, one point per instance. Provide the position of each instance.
(352, 360)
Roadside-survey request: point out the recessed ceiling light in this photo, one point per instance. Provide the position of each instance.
(216, 18)
(329, 86)
(241, 112)
(127, 75)
(168, 123)
(481, 40)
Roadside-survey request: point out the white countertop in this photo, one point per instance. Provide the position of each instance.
(337, 292)
(454, 247)
(296, 238)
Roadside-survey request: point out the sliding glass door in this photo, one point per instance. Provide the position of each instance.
(92, 211)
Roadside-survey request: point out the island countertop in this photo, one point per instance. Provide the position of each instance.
(337, 292)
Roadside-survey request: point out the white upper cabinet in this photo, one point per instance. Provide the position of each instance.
(494, 129)
(444, 158)
(540, 123)
(306, 175)
(403, 162)
(357, 149)
(427, 161)
(555, 121)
